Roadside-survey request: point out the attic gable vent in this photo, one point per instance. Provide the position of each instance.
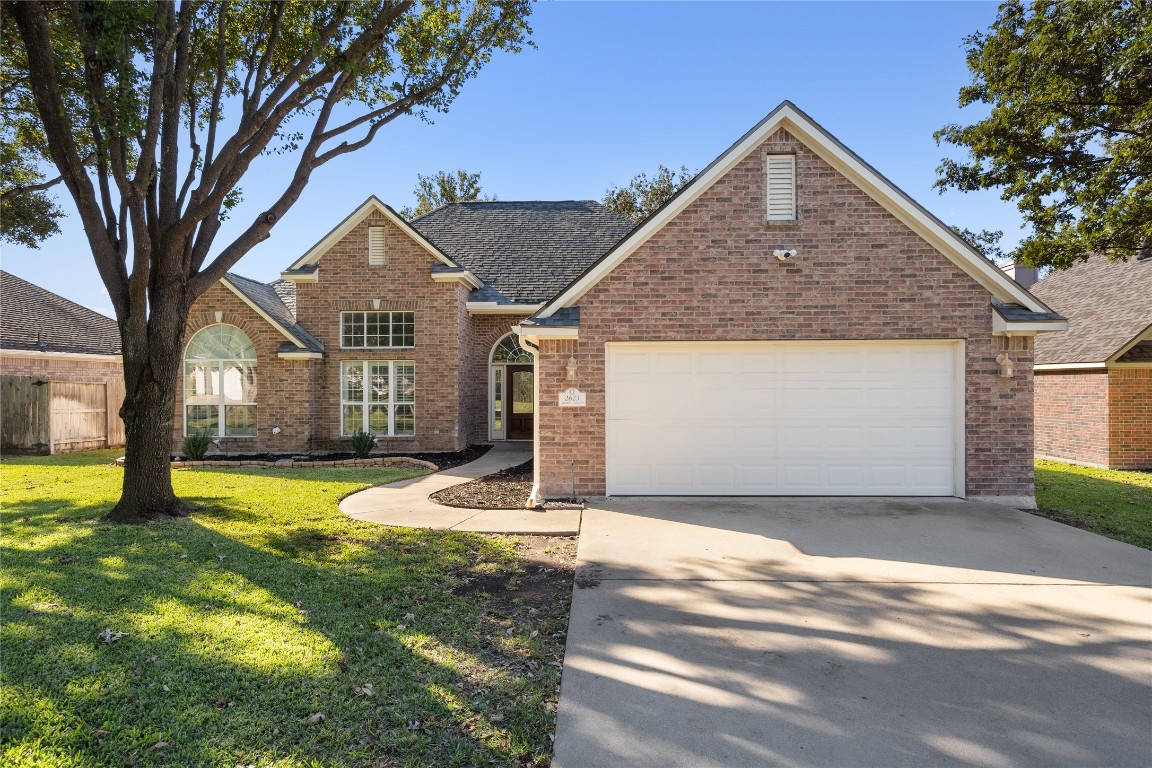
(780, 171)
(375, 246)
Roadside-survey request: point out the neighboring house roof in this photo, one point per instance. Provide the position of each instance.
(266, 299)
(37, 320)
(524, 252)
(1108, 305)
(829, 148)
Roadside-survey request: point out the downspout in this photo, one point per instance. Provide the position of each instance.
(534, 499)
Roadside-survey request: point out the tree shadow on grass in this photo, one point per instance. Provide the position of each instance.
(237, 634)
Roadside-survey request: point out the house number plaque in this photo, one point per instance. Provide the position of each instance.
(573, 398)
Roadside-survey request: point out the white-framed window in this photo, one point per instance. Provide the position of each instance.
(378, 397)
(377, 330)
(780, 187)
(220, 383)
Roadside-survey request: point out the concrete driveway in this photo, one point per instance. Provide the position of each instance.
(849, 632)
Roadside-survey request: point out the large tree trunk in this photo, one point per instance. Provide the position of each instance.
(153, 356)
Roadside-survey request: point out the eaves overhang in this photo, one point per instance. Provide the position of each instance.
(851, 166)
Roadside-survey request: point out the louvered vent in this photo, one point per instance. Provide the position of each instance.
(376, 246)
(781, 170)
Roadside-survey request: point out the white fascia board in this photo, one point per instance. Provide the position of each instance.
(492, 308)
(301, 277)
(1068, 366)
(371, 205)
(465, 277)
(34, 354)
(271, 320)
(1002, 327)
(303, 355)
(536, 333)
(866, 178)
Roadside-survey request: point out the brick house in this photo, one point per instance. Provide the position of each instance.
(63, 380)
(1093, 401)
(788, 323)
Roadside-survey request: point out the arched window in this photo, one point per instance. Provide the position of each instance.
(510, 351)
(220, 383)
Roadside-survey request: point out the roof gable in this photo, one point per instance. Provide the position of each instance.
(35, 319)
(368, 207)
(812, 135)
(266, 301)
(1107, 305)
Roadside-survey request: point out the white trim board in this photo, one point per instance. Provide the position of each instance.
(813, 136)
(34, 354)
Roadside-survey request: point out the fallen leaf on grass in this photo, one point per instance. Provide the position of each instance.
(158, 745)
(109, 637)
(100, 733)
(316, 718)
(365, 690)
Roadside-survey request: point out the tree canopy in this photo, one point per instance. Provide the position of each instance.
(1068, 135)
(644, 194)
(444, 187)
(153, 113)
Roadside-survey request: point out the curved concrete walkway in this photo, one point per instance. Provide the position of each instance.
(406, 503)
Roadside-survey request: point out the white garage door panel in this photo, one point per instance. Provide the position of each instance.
(782, 418)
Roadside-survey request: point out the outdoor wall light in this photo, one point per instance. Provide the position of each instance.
(275, 430)
(571, 368)
(1005, 364)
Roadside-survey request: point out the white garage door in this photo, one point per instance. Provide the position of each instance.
(783, 418)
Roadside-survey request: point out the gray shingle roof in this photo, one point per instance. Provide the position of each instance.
(1107, 305)
(32, 318)
(267, 297)
(524, 252)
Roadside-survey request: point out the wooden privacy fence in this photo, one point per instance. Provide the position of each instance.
(60, 416)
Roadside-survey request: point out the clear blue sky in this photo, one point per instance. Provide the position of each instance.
(616, 88)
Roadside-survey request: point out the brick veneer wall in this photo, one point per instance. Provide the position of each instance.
(404, 283)
(56, 369)
(283, 387)
(1130, 418)
(480, 334)
(1072, 415)
(859, 274)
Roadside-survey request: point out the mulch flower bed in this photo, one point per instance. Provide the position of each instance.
(506, 489)
(440, 460)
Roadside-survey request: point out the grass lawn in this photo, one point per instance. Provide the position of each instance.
(1109, 502)
(265, 630)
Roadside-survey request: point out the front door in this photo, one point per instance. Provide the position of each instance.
(523, 411)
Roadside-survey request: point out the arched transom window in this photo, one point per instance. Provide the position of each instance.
(510, 351)
(220, 383)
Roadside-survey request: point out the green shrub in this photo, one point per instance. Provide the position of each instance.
(196, 445)
(362, 444)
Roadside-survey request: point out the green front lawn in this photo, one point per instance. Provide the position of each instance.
(267, 629)
(1109, 502)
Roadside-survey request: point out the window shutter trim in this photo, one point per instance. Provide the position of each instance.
(781, 187)
(375, 246)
